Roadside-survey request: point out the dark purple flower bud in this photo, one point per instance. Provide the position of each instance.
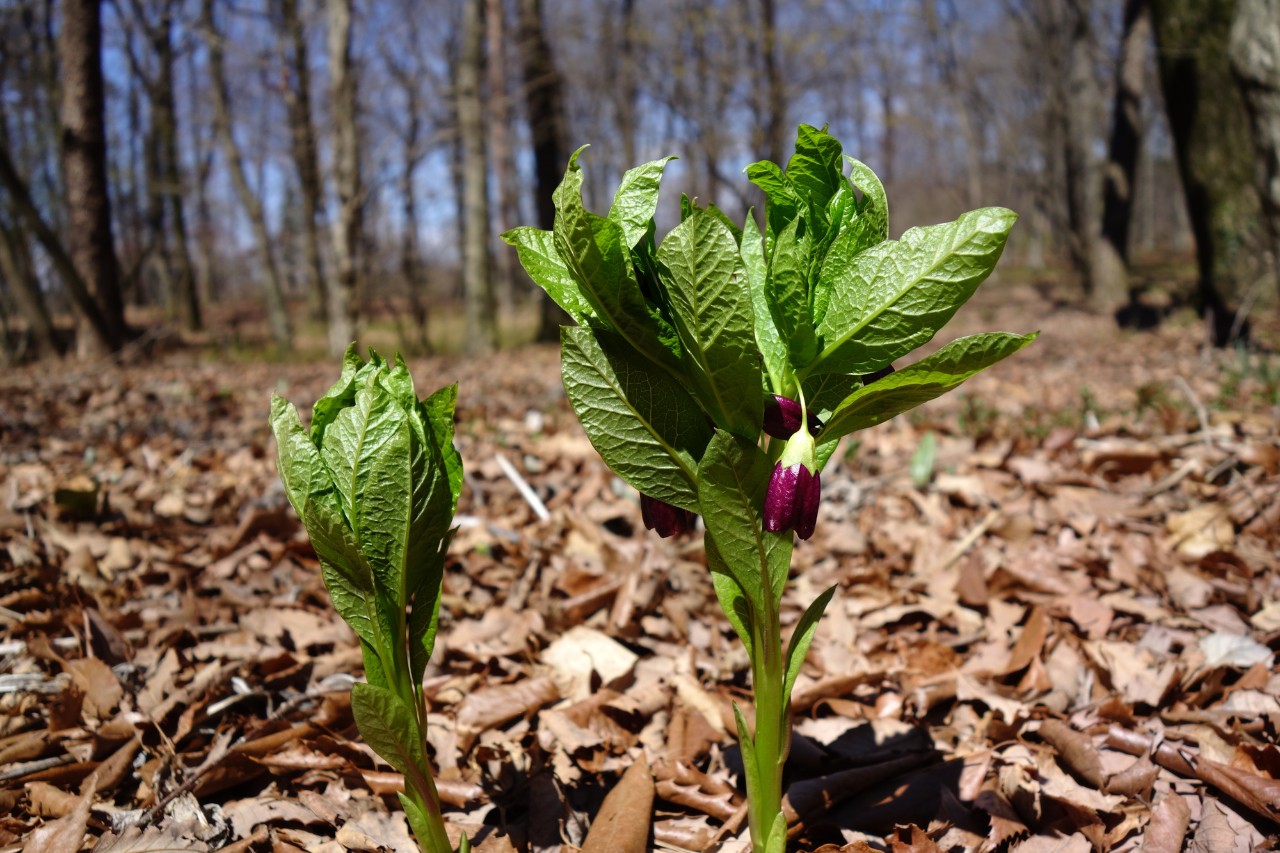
(879, 374)
(782, 417)
(791, 501)
(665, 519)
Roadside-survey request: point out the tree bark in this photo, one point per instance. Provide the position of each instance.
(1210, 129)
(1255, 59)
(477, 274)
(1111, 252)
(548, 132)
(504, 168)
(303, 149)
(15, 268)
(90, 243)
(61, 259)
(343, 286)
(277, 312)
(1078, 123)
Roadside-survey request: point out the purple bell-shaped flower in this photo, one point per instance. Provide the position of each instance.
(663, 518)
(795, 488)
(782, 417)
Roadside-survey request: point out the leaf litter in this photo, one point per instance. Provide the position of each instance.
(1059, 635)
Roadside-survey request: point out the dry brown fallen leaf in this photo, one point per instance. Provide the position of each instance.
(625, 817)
(1168, 827)
(66, 834)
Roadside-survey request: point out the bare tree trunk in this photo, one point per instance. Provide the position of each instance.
(277, 312)
(1078, 120)
(84, 157)
(625, 91)
(774, 114)
(1210, 129)
(342, 289)
(477, 275)
(1255, 59)
(15, 268)
(544, 107)
(1111, 251)
(306, 160)
(504, 167)
(61, 259)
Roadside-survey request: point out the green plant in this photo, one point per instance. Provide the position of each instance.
(375, 481)
(717, 371)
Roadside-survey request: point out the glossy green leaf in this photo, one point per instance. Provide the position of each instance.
(787, 292)
(637, 199)
(773, 350)
(537, 252)
(801, 639)
(594, 250)
(711, 309)
(732, 480)
(890, 299)
(871, 226)
(920, 382)
(732, 597)
(814, 170)
(355, 374)
(388, 726)
(641, 421)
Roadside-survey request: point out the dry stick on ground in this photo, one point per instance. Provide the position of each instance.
(203, 770)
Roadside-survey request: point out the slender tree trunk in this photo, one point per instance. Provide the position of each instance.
(1255, 59)
(504, 167)
(1111, 251)
(61, 259)
(1078, 122)
(84, 157)
(625, 92)
(774, 115)
(544, 107)
(306, 159)
(15, 268)
(477, 275)
(343, 287)
(277, 312)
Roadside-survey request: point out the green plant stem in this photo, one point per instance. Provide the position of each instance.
(773, 730)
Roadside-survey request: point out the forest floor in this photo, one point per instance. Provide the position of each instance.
(1057, 634)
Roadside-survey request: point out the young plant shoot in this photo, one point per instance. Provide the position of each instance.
(716, 372)
(375, 481)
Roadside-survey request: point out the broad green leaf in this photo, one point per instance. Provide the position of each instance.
(641, 421)
(920, 382)
(310, 488)
(773, 350)
(732, 480)
(390, 728)
(894, 297)
(733, 599)
(355, 374)
(872, 223)
(424, 619)
(537, 252)
(784, 203)
(787, 292)
(636, 199)
(595, 252)
(801, 639)
(437, 412)
(814, 170)
(711, 310)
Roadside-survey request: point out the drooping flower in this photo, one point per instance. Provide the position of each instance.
(663, 518)
(782, 417)
(795, 488)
